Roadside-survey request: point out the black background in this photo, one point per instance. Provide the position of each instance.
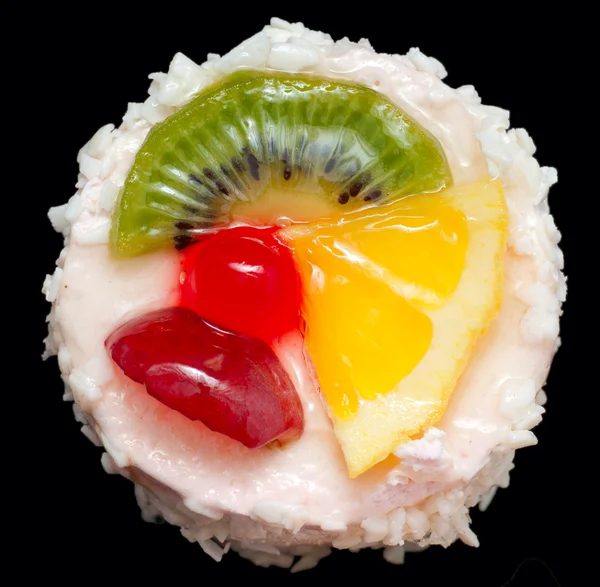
(75, 520)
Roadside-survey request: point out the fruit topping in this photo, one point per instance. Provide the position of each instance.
(338, 146)
(394, 291)
(244, 280)
(233, 384)
(394, 300)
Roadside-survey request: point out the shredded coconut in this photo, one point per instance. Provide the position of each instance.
(425, 458)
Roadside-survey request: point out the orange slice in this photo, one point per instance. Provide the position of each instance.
(395, 298)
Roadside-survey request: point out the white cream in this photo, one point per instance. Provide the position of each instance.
(214, 486)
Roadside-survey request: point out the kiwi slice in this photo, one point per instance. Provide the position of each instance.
(254, 131)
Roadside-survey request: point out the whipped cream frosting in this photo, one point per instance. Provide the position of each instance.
(267, 500)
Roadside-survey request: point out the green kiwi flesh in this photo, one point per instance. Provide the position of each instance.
(254, 131)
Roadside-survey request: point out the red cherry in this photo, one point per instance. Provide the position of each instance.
(233, 384)
(244, 280)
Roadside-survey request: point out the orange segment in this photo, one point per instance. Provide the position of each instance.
(354, 351)
(395, 298)
(409, 239)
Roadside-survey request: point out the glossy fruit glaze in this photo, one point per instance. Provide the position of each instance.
(233, 384)
(243, 279)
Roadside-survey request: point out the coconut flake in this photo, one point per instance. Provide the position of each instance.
(424, 458)
(417, 523)
(348, 539)
(109, 464)
(57, 217)
(74, 207)
(396, 524)
(487, 498)
(134, 116)
(312, 558)
(90, 167)
(51, 285)
(118, 456)
(525, 141)
(540, 295)
(333, 523)
(64, 359)
(375, 529)
(84, 388)
(99, 368)
(460, 521)
(427, 64)
(153, 111)
(185, 78)
(293, 57)
(252, 53)
(539, 325)
(291, 517)
(150, 513)
(516, 395)
(520, 439)
(91, 435)
(108, 195)
(212, 549)
(469, 93)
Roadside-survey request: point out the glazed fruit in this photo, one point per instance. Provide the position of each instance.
(244, 280)
(394, 299)
(395, 289)
(342, 145)
(233, 384)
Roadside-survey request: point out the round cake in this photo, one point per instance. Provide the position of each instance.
(308, 299)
